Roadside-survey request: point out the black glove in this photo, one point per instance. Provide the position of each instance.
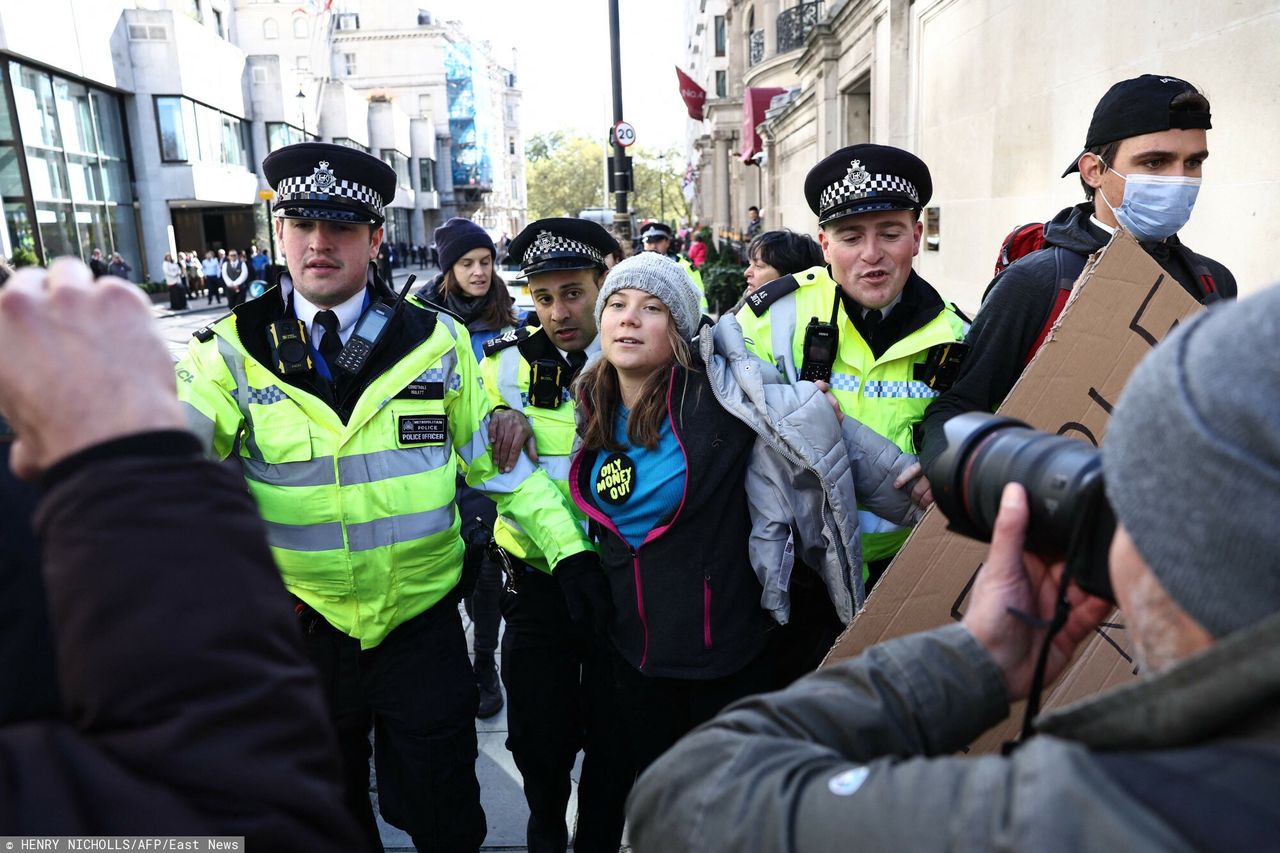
(586, 591)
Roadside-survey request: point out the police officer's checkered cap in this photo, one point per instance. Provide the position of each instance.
(319, 180)
(562, 243)
(867, 177)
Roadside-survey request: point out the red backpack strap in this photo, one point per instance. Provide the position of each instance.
(1208, 287)
(1067, 266)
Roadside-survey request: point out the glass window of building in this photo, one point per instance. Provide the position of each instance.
(349, 64)
(721, 35)
(424, 106)
(721, 85)
(427, 174)
(192, 132)
(74, 194)
(280, 134)
(299, 26)
(270, 29)
(348, 21)
(350, 143)
(193, 9)
(400, 163)
(217, 23)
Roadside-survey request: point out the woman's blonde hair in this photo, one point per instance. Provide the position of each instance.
(601, 392)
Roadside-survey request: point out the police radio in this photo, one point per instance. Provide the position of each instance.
(289, 350)
(821, 343)
(546, 382)
(369, 330)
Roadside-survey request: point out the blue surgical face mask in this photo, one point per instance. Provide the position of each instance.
(1154, 207)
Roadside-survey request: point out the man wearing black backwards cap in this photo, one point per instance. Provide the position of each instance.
(657, 237)
(555, 666)
(1140, 170)
(352, 460)
(892, 327)
(864, 755)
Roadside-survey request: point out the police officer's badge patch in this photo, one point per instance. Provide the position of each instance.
(857, 176)
(322, 177)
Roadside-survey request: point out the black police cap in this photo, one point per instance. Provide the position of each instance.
(562, 243)
(1137, 107)
(318, 180)
(866, 178)
(656, 231)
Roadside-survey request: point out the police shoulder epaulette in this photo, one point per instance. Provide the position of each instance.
(760, 301)
(204, 334)
(507, 339)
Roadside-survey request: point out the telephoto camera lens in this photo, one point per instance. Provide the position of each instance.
(1070, 516)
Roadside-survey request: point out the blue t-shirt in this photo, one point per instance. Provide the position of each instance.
(637, 488)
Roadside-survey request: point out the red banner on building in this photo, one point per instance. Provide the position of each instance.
(754, 103)
(694, 95)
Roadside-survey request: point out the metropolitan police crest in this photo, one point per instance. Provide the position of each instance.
(545, 242)
(857, 176)
(323, 178)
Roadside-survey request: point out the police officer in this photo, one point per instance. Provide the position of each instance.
(352, 461)
(881, 330)
(658, 237)
(557, 672)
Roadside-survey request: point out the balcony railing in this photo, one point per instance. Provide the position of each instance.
(756, 43)
(795, 24)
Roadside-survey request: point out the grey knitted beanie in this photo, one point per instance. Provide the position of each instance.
(658, 276)
(1192, 463)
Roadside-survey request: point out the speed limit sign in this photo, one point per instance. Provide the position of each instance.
(624, 134)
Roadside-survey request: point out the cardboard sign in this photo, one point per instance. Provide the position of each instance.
(1122, 305)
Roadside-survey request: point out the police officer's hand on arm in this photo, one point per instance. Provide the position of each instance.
(1013, 581)
(921, 491)
(509, 433)
(52, 325)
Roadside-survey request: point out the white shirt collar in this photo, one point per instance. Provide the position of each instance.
(348, 312)
(1110, 229)
(884, 312)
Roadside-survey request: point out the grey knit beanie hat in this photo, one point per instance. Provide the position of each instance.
(1192, 463)
(658, 276)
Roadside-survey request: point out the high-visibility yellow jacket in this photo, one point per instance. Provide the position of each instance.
(884, 393)
(360, 513)
(506, 370)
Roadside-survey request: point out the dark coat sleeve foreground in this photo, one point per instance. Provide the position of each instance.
(846, 759)
(189, 707)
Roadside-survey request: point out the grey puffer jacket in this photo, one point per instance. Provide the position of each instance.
(807, 475)
(1185, 760)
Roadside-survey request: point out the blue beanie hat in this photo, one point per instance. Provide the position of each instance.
(457, 237)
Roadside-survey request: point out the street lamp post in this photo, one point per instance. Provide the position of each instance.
(302, 108)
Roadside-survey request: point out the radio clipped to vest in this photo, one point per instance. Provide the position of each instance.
(821, 343)
(289, 350)
(547, 381)
(369, 330)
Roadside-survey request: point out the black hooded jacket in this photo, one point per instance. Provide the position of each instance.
(1017, 306)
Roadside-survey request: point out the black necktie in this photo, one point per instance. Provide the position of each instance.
(871, 323)
(576, 359)
(330, 343)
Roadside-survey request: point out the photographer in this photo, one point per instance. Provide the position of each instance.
(187, 706)
(857, 756)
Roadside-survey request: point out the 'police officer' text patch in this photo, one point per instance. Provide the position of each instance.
(423, 429)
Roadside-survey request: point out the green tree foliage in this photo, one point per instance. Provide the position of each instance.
(565, 173)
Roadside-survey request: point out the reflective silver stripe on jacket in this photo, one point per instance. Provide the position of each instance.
(509, 378)
(235, 364)
(385, 464)
(557, 467)
(869, 522)
(782, 327)
(201, 424)
(309, 472)
(382, 532)
(305, 537)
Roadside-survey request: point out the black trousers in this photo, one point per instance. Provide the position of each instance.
(801, 644)
(417, 694)
(560, 700)
(657, 712)
(481, 601)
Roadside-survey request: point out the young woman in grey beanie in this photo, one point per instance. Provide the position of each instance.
(705, 482)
